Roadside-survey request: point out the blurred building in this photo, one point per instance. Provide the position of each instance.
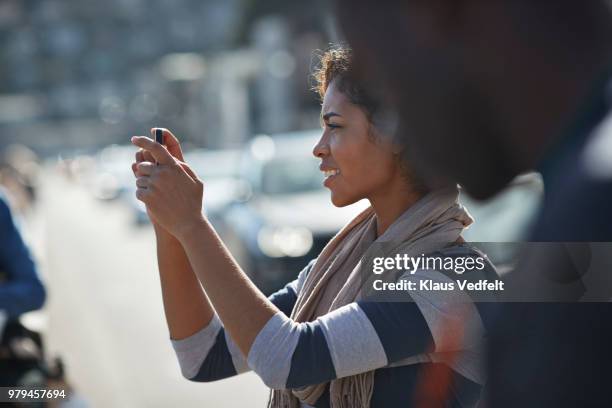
(83, 74)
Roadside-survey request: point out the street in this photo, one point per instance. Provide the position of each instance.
(104, 309)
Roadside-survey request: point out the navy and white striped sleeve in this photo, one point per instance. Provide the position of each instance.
(211, 354)
(364, 336)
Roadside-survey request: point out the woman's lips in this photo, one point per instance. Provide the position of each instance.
(330, 174)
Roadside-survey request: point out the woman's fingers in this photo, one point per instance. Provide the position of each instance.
(144, 169)
(148, 156)
(158, 151)
(143, 182)
(140, 156)
(143, 194)
(171, 142)
(143, 155)
(188, 170)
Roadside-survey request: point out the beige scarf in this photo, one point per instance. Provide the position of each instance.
(334, 281)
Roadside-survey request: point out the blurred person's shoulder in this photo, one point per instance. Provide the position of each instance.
(5, 210)
(467, 250)
(577, 204)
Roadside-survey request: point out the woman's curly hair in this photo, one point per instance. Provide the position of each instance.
(335, 64)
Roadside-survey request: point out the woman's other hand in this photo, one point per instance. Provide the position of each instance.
(171, 191)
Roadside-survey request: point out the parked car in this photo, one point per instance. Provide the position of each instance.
(283, 216)
(219, 171)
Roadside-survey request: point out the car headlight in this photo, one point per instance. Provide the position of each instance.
(277, 242)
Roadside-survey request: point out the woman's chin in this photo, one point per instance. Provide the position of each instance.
(340, 200)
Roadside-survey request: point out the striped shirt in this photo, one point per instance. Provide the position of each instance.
(396, 339)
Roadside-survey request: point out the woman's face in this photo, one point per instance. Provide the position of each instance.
(358, 162)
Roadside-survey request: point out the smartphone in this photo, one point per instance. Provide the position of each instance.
(159, 136)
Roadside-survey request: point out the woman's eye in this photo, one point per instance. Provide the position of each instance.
(333, 126)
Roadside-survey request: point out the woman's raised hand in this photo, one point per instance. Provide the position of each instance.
(170, 141)
(171, 191)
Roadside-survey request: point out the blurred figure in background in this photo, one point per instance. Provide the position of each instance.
(21, 291)
(491, 89)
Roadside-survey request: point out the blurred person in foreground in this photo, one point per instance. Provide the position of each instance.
(317, 342)
(487, 90)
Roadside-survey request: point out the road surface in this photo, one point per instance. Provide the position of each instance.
(104, 313)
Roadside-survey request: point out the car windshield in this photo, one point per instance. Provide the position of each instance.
(291, 175)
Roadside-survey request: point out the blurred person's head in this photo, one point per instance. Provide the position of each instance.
(357, 147)
(482, 87)
(19, 169)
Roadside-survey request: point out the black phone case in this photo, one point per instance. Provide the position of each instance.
(159, 136)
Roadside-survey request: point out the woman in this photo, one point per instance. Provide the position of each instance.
(317, 342)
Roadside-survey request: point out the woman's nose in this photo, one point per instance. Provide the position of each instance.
(321, 148)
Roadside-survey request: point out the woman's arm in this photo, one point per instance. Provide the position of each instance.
(173, 195)
(205, 352)
(364, 336)
(211, 354)
(186, 307)
(243, 309)
(185, 304)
